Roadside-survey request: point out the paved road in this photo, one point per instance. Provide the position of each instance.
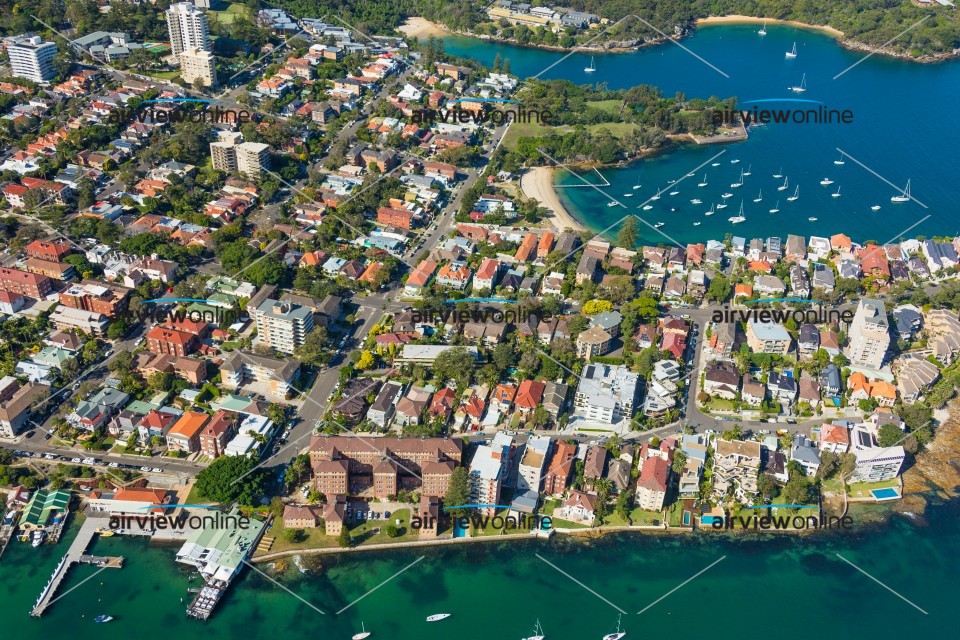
(39, 447)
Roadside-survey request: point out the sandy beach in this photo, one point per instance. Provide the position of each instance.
(418, 27)
(537, 183)
(750, 20)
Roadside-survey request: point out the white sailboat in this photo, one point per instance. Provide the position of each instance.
(749, 170)
(826, 182)
(793, 52)
(812, 219)
(776, 208)
(875, 207)
(658, 225)
(800, 88)
(591, 68)
(722, 205)
(696, 224)
(778, 174)
(628, 195)
(696, 201)
(796, 194)
(714, 164)
(737, 161)
(616, 635)
(647, 207)
(537, 632)
(763, 30)
(612, 204)
(837, 194)
(785, 185)
(759, 197)
(674, 192)
(704, 183)
(712, 211)
(737, 219)
(738, 183)
(438, 616)
(840, 161)
(656, 197)
(726, 195)
(905, 196)
(363, 633)
(638, 185)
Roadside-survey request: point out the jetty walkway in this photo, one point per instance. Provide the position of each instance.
(76, 554)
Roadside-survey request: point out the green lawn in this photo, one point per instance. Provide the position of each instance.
(163, 75)
(229, 15)
(675, 514)
(316, 538)
(559, 523)
(616, 129)
(363, 534)
(528, 129)
(646, 518)
(862, 489)
(607, 106)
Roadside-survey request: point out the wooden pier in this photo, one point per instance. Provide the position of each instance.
(75, 555)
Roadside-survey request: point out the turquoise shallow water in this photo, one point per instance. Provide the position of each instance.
(904, 126)
(496, 591)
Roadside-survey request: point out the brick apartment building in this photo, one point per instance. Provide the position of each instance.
(386, 464)
(31, 285)
(96, 297)
(171, 341)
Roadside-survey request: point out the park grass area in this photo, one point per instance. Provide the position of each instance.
(529, 130)
(228, 15)
(607, 106)
(616, 129)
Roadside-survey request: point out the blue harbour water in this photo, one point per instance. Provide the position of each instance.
(904, 127)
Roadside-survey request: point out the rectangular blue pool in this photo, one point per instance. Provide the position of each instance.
(885, 494)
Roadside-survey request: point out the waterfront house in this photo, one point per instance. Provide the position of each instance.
(736, 466)
(578, 507)
(805, 452)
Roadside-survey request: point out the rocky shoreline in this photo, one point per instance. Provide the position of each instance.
(935, 475)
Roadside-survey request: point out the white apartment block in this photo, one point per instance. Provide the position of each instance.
(533, 462)
(869, 334)
(223, 152)
(607, 393)
(737, 465)
(231, 154)
(282, 326)
(197, 64)
(188, 28)
(874, 463)
(253, 158)
(487, 470)
(31, 58)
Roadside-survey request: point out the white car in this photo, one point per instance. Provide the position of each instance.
(144, 468)
(113, 465)
(75, 460)
(156, 470)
